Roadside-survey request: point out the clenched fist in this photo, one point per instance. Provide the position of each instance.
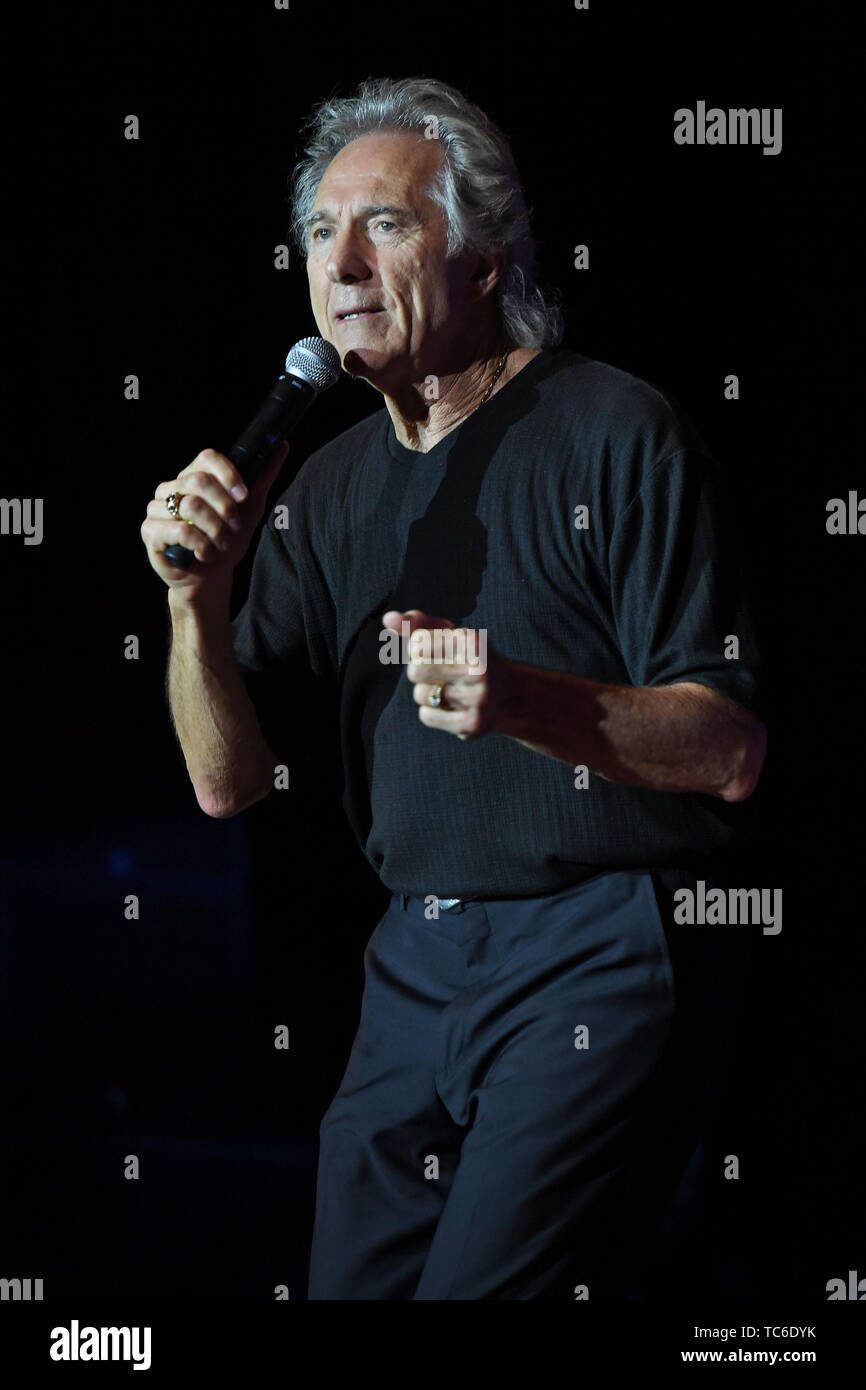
(216, 520)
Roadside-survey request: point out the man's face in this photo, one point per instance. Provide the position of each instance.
(378, 243)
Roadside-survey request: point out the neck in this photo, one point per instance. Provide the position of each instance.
(423, 412)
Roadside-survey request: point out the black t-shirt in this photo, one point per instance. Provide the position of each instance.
(644, 591)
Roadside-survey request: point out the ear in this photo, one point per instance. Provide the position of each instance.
(489, 269)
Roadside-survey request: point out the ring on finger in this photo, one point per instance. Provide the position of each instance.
(172, 502)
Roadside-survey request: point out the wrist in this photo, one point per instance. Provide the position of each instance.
(200, 607)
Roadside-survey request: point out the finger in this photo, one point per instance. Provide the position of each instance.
(457, 721)
(194, 512)
(463, 646)
(439, 672)
(414, 617)
(200, 483)
(222, 468)
(158, 535)
(418, 614)
(421, 695)
(206, 486)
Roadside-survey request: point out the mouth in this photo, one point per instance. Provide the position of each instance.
(349, 315)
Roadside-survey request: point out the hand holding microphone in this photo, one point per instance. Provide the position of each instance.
(203, 514)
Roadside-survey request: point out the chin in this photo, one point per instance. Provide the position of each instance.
(365, 361)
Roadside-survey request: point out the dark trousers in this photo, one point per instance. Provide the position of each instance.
(505, 1127)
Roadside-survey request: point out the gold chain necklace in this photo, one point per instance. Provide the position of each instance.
(500, 367)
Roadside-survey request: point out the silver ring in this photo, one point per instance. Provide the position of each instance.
(435, 699)
(172, 502)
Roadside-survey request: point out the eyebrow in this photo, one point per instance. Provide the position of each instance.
(323, 215)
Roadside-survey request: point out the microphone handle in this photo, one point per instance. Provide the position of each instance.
(287, 401)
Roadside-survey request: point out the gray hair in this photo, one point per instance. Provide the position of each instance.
(477, 186)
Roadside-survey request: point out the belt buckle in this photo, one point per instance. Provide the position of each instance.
(447, 903)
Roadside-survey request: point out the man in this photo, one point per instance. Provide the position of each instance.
(490, 1136)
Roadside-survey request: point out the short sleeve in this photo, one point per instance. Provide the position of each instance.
(288, 614)
(678, 593)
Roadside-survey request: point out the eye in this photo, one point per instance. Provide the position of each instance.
(383, 222)
(317, 230)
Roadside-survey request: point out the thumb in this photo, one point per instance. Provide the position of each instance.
(414, 617)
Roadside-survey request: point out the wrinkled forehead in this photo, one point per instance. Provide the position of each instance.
(393, 168)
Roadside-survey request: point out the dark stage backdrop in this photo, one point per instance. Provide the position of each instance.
(153, 1035)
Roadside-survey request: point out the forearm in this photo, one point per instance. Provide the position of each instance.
(680, 738)
(227, 757)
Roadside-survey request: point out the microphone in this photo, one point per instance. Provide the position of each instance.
(312, 366)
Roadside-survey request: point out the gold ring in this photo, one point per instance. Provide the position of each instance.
(172, 502)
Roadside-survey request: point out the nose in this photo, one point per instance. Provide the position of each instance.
(346, 263)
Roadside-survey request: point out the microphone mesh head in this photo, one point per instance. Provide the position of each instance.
(315, 361)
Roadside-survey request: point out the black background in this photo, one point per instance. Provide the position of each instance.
(155, 257)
